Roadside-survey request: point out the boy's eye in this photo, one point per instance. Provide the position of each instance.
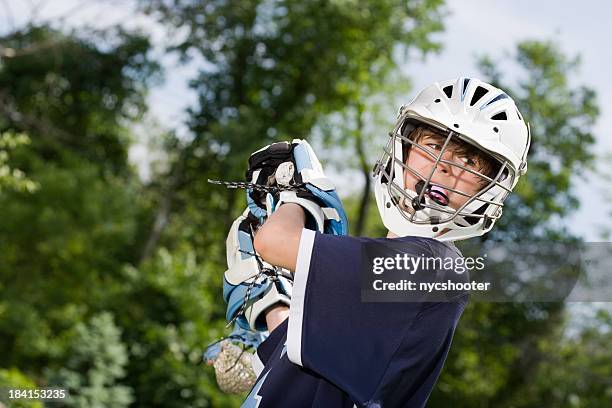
(468, 162)
(434, 146)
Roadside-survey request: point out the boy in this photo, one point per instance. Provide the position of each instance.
(455, 154)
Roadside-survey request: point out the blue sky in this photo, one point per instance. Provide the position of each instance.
(472, 28)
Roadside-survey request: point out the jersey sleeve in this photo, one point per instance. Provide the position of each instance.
(355, 345)
(266, 349)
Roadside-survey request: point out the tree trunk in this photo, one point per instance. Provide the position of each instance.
(364, 203)
(163, 212)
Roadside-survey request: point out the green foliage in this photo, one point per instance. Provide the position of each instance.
(562, 117)
(169, 307)
(71, 95)
(271, 67)
(65, 244)
(574, 371)
(373, 226)
(270, 70)
(95, 360)
(80, 305)
(355, 133)
(14, 378)
(11, 178)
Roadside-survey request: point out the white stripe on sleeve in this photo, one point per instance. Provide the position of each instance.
(296, 310)
(258, 366)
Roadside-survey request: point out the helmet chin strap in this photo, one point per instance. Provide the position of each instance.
(411, 206)
(416, 205)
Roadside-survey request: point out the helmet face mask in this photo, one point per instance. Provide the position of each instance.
(426, 201)
(421, 189)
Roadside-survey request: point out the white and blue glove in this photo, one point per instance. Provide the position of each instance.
(251, 285)
(294, 175)
(297, 173)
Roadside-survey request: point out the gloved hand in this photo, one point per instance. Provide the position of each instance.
(297, 173)
(251, 285)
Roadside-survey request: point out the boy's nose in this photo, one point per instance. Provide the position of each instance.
(443, 167)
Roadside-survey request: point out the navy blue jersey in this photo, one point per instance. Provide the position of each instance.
(337, 351)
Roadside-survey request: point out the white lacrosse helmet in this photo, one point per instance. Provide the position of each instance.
(469, 111)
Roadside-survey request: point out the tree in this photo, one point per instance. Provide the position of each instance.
(77, 307)
(14, 378)
(69, 95)
(168, 328)
(65, 244)
(562, 119)
(95, 348)
(11, 178)
(349, 138)
(270, 70)
(576, 371)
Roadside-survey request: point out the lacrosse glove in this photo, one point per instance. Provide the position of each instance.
(292, 173)
(251, 285)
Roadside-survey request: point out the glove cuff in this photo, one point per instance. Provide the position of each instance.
(255, 311)
(312, 210)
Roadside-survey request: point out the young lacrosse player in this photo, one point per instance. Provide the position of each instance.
(456, 152)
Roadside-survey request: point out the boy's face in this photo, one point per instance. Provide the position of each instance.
(446, 174)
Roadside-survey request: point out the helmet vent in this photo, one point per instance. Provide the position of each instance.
(478, 93)
(500, 116)
(497, 98)
(448, 90)
(466, 82)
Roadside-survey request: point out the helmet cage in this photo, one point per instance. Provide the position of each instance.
(485, 203)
